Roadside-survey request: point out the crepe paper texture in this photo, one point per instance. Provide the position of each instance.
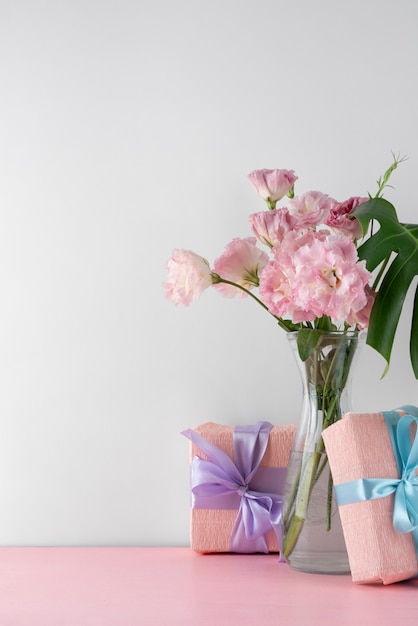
(211, 529)
(359, 446)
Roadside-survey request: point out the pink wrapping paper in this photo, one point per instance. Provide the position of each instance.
(211, 529)
(359, 446)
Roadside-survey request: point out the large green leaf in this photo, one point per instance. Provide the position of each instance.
(399, 243)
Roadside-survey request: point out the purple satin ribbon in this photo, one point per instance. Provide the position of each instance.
(256, 492)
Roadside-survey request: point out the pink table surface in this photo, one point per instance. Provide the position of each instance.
(175, 586)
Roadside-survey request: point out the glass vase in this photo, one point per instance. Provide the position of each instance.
(313, 536)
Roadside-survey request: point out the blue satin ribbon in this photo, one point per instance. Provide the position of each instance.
(405, 488)
(222, 484)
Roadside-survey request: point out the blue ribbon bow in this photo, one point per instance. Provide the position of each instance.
(222, 484)
(405, 488)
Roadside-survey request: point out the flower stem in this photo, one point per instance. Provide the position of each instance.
(297, 521)
(287, 326)
(326, 369)
(329, 500)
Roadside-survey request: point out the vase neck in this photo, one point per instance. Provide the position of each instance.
(326, 375)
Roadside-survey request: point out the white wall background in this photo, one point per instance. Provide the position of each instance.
(127, 128)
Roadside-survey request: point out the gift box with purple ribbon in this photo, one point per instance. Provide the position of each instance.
(374, 460)
(237, 478)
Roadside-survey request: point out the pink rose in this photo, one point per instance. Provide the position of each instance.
(270, 226)
(311, 209)
(272, 185)
(188, 276)
(240, 263)
(339, 217)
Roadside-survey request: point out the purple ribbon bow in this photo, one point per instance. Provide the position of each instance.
(222, 484)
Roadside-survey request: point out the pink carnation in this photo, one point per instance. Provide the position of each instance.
(329, 280)
(276, 293)
(188, 276)
(339, 217)
(315, 275)
(278, 277)
(240, 263)
(270, 226)
(272, 185)
(311, 209)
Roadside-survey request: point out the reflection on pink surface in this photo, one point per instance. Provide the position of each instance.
(175, 586)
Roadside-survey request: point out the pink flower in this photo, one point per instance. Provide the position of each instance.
(272, 185)
(361, 318)
(276, 292)
(314, 275)
(311, 209)
(270, 226)
(276, 282)
(240, 263)
(339, 217)
(188, 276)
(329, 280)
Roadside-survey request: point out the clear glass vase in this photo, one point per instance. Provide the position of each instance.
(313, 537)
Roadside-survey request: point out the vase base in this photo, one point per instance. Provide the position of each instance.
(319, 563)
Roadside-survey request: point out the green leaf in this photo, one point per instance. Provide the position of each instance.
(413, 344)
(307, 341)
(325, 324)
(400, 241)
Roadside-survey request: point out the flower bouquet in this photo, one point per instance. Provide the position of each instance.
(325, 267)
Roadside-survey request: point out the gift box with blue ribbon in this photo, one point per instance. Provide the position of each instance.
(237, 478)
(374, 460)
